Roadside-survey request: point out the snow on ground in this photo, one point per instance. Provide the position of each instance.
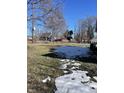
(75, 82)
(65, 71)
(64, 66)
(95, 77)
(65, 60)
(46, 79)
(71, 51)
(76, 64)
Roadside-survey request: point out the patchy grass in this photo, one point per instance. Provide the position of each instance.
(40, 67)
(90, 67)
(61, 44)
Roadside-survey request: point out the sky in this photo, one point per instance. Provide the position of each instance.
(74, 10)
(78, 9)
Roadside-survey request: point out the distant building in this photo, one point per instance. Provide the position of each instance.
(29, 38)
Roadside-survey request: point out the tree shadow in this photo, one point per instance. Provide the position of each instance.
(90, 59)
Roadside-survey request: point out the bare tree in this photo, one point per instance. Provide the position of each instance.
(86, 29)
(55, 22)
(39, 11)
(35, 14)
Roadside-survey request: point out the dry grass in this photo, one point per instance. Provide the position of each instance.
(39, 67)
(61, 44)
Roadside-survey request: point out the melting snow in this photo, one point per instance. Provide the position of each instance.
(46, 79)
(65, 71)
(74, 68)
(64, 66)
(95, 77)
(76, 82)
(62, 60)
(76, 64)
(73, 61)
(65, 60)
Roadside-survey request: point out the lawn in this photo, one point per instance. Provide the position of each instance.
(40, 67)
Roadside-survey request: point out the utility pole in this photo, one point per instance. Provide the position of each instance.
(33, 21)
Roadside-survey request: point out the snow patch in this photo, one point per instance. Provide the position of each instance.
(93, 85)
(74, 68)
(72, 83)
(74, 80)
(64, 66)
(95, 77)
(65, 71)
(46, 79)
(73, 61)
(76, 64)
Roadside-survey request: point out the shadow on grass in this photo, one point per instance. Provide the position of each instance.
(91, 59)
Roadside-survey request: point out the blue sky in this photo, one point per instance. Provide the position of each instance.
(78, 9)
(74, 10)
